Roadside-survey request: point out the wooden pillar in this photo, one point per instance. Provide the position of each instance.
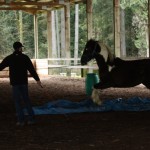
(63, 37)
(117, 28)
(89, 18)
(122, 35)
(76, 45)
(36, 36)
(49, 33)
(149, 27)
(67, 29)
(20, 26)
(89, 26)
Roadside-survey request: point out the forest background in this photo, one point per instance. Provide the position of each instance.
(19, 26)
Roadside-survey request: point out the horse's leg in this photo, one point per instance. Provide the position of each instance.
(95, 96)
(105, 82)
(95, 93)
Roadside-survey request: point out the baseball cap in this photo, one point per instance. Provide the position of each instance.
(17, 45)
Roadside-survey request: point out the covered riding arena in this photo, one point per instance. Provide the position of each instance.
(118, 130)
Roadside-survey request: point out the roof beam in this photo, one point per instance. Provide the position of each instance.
(34, 6)
(20, 8)
(52, 4)
(12, 3)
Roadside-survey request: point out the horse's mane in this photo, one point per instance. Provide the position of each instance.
(110, 55)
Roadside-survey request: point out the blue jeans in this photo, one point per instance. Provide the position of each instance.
(20, 94)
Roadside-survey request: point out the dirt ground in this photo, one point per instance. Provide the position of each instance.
(84, 131)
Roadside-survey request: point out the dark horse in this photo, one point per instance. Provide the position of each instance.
(113, 71)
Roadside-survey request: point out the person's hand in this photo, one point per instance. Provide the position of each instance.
(40, 84)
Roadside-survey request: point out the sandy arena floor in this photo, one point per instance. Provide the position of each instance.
(85, 131)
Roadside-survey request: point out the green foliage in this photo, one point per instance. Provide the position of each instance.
(103, 28)
(136, 19)
(8, 33)
(82, 28)
(28, 34)
(42, 35)
(103, 21)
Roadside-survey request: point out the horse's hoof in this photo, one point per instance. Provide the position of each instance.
(95, 97)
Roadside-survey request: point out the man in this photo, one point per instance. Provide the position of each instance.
(19, 64)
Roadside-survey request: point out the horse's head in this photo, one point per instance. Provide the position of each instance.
(91, 49)
(95, 48)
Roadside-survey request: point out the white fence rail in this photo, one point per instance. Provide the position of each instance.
(64, 65)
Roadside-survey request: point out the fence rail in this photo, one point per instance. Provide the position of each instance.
(43, 66)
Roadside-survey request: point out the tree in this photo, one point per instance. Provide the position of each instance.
(136, 26)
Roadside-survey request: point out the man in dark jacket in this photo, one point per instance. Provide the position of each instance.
(19, 64)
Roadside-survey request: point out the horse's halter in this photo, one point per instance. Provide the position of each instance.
(88, 56)
(94, 51)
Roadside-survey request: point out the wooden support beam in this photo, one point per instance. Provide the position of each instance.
(67, 29)
(20, 26)
(49, 33)
(33, 3)
(122, 33)
(89, 18)
(52, 4)
(20, 8)
(149, 27)
(33, 6)
(70, 1)
(30, 6)
(117, 28)
(36, 36)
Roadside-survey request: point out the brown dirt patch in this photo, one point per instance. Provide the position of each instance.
(90, 131)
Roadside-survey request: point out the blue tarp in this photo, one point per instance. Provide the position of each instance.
(66, 106)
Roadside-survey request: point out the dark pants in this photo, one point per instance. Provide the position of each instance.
(20, 94)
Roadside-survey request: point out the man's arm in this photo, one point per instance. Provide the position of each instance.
(4, 64)
(33, 72)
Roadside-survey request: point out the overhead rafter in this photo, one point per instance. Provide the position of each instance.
(34, 5)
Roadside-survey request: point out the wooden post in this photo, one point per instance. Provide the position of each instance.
(49, 38)
(67, 30)
(89, 18)
(63, 37)
(76, 48)
(57, 35)
(149, 27)
(117, 28)
(20, 26)
(36, 36)
(89, 25)
(49, 33)
(122, 36)
(54, 49)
